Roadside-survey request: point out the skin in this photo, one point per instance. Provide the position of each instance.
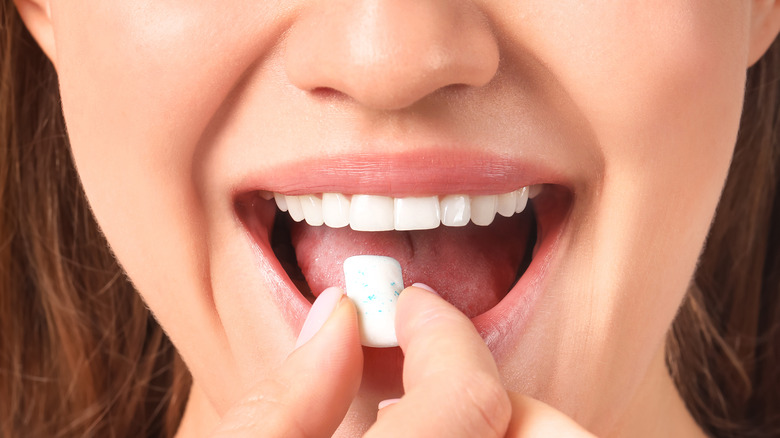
(165, 101)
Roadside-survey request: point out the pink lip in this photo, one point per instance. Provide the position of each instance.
(425, 172)
(507, 319)
(418, 173)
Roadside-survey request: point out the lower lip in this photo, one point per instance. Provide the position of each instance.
(497, 326)
(507, 319)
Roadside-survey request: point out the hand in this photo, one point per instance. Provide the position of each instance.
(451, 381)
(452, 384)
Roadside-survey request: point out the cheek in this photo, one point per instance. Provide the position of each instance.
(667, 120)
(660, 85)
(140, 82)
(124, 125)
(664, 102)
(666, 115)
(660, 82)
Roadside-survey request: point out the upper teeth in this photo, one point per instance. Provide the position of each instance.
(384, 213)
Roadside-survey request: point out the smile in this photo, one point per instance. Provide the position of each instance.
(484, 240)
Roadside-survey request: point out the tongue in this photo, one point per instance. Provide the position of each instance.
(472, 267)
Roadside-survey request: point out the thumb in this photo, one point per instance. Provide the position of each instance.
(309, 394)
(452, 384)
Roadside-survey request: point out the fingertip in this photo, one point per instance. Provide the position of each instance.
(344, 321)
(385, 403)
(346, 311)
(420, 299)
(341, 337)
(415, 293)
(424, 286)
(337, 337)
(420, 313)
(410, 302)
(321, 310)
(334, 353)
(432, 331)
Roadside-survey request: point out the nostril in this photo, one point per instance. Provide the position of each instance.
(326, 93)
(455, 88)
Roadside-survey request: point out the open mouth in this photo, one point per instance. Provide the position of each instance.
(482, 252)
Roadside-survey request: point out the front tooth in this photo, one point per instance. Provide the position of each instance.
(335, 210)
(507, 203)
(522, 200)
(281, 201)
(455, 210)
(417, 213)
(312, 209)
(371, 213)
(483, 209)
(294, 207)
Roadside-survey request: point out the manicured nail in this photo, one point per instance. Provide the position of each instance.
(426, 287)
(388, 402)
(320, 311)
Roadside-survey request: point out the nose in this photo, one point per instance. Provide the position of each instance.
(389, 54)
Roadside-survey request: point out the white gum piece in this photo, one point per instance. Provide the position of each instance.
(416, 213)
(455, 210)
(294, 207)
(281, 201)
(265, 194)
(534, 191)
(374, 283)
(522, 200)
(371, 213)
(312, 209)
(335, 210)
(507, 203)
(483, 209)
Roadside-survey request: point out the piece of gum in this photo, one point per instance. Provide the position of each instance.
(374, 283)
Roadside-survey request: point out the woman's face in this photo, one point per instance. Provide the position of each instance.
(180, 112)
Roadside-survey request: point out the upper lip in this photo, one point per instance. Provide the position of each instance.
(411, 173)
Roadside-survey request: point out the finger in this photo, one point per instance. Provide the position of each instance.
(451, 381)
(310, 393)
(532, 418)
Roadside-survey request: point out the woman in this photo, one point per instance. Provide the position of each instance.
(597, 309)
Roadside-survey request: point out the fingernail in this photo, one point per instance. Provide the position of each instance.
(388, 402)
(425, 286)
(320, 311)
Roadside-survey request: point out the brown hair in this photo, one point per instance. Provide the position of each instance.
(724, 348)
(80, 354)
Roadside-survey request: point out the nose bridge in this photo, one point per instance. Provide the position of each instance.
(388, 54)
